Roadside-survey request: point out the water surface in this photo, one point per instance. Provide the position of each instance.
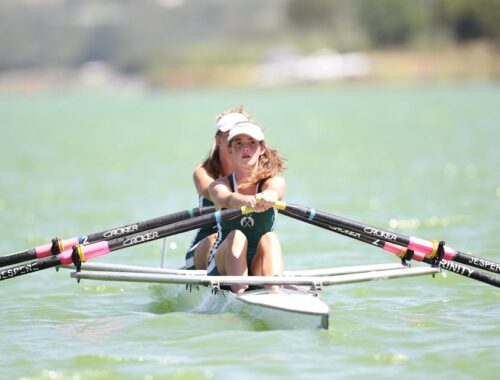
(420, 160)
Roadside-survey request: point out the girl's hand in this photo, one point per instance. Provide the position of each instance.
(251, 201)
(265, 200)
(268, 196)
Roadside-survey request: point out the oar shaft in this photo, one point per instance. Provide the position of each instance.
(413, 243)
(477, 262)
(31, 267)
(399, 250)
(102, 248)
(17, 257)
(149, 224)
(63, 245)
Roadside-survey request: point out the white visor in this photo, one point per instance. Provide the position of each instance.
(226, 122)
(246, 128)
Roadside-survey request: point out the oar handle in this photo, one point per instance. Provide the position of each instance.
(279, 205)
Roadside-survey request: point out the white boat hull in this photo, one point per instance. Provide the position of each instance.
(285, 308)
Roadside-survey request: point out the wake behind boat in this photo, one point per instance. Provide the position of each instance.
(281, 302)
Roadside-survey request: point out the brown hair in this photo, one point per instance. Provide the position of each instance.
(270, 164)
(212, 163)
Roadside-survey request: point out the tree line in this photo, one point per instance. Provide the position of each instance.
(396, 23)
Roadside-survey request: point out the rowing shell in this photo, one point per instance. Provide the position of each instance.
(292, 301)
(289, 307)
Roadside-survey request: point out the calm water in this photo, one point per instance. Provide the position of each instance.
(420, 160)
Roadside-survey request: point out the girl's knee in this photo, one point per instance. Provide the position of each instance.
(236, 237)
(269, 239)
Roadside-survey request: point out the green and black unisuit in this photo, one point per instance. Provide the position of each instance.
(253, 226)
(201, 234)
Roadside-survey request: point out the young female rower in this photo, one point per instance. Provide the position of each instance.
(247, 245)
(217, 164)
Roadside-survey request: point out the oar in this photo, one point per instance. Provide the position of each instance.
(402, 252)
(429, 248)
(58, 245)
(82, 253)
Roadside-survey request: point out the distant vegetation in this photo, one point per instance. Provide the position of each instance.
(152, 37)
(390, 23)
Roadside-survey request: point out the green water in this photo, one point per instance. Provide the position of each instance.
(421, 160)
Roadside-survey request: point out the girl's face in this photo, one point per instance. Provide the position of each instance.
(246, 150)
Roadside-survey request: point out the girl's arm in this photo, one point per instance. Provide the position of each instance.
(222, 196)
(202, 181)
(274, 188)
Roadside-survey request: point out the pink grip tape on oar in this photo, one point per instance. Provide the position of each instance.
(46, 249)
(401, 251)
(427, 247)
(85, 253)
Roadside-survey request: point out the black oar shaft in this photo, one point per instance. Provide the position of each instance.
(444, 264)
(149, 224)
(466, 271)
(47, 250)
(477, 262)
(172, 229)
(349, 224)
(31, 267)
(17, 257)
(391, 237)
(104, 247)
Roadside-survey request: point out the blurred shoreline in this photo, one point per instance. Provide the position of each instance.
(477, 61)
